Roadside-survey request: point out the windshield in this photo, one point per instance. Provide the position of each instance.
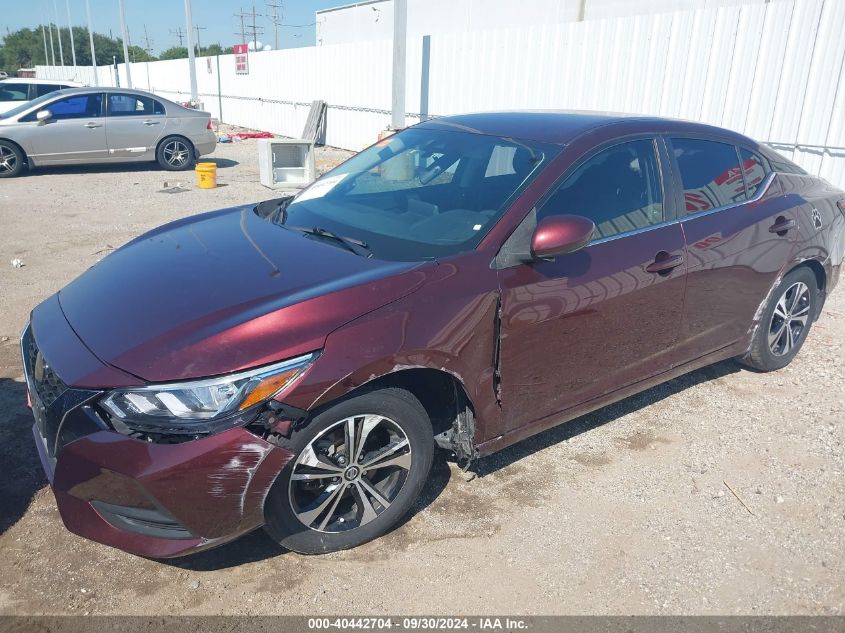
(421, 194)
(28, 104)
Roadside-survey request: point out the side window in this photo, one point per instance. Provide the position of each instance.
(76, 107)
(133, 105)
(44, 89)
(14, 92)
(710, 174)
(618, 189)
(755, 170)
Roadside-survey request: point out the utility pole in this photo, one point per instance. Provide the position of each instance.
(91, 43)
(70, 31)
(275, 18)
(400, 31)
(125, 44)
(148, 41)
(59, 33)
(199, 28)
(52, 48)
(179, 34)
(192, 65)
(250, 32)
(44, 37)
(255, 30)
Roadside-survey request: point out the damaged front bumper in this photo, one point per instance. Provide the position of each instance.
(152, 499)
(163, 500)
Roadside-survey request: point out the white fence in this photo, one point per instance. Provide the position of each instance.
(773, 71)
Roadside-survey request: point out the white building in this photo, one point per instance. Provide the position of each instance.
(373, 20)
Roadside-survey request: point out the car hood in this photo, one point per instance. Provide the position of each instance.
(221, 292)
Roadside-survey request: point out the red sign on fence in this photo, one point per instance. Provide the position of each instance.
(241, 59)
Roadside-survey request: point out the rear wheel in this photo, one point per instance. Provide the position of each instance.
(11, 160)
(358, 468)
(786, 321)
(175, 154)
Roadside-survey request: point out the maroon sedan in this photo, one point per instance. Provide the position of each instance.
(466, 283)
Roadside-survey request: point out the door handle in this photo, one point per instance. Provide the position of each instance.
(92, 125)
(782, 225)
(664, 263)
(151, 122)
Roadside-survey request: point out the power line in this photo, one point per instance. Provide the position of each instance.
(148, 41)
(253, 30)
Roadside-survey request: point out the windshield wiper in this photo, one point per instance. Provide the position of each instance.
(349, 243)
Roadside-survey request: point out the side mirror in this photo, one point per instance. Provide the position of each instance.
(43, 115)
(561, 234)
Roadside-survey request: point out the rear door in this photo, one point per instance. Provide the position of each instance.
(591, 322)
(134, 124)
(740, 233)
(75, 133)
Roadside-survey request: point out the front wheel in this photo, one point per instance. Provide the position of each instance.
(358, 468)
(175, 154)
(11, 160)
(786, 321)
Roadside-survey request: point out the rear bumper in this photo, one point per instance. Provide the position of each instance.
(160, 500)
(206, 144)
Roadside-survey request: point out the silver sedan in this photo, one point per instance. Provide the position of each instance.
(102, 125)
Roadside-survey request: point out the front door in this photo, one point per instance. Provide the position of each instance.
(134, 124)
(75, 133)
(588, 323)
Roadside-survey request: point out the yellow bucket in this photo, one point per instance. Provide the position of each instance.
(206, 175)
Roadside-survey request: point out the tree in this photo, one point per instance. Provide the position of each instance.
(217, 49)
(24, 48)
(176, 52)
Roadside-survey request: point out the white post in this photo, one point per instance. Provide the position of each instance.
(400, 30)
(91, 43)
(70, 31)
(192, 66)
(44, 37)
(125, 45)
(59, 33)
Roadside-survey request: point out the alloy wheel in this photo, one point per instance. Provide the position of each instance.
(8, 160)
(176, 153)
(789, 319)
(350, 473)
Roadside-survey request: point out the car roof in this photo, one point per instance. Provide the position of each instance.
(33, 80)
(564, 126)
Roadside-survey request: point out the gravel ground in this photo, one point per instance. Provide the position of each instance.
(630, 510)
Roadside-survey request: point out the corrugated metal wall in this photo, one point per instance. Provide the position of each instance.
(773, 71)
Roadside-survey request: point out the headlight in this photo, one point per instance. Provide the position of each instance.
(201, 406)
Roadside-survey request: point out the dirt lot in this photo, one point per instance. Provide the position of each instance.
(625, 511)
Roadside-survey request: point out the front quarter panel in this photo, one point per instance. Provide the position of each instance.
(448, 325)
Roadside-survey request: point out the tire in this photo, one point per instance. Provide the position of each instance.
(796, 300)
(11, 160)
(326, 513)
(175, 153)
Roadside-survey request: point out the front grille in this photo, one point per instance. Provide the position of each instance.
(58, 409)
(48, 386)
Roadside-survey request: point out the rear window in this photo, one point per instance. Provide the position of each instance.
(710, 173)
(14, 92)
(755, 169)
(45, 89)
(133, 105)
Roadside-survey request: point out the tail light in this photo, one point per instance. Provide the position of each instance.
(841, 205)
(208, 127)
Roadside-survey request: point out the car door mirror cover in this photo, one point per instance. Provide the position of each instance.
(42, 116)
(561, 234)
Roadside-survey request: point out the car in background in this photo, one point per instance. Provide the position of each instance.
(14, 92)
(102, 125)
(4, 74)
(467, 282)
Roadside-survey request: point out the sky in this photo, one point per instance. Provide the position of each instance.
(162, 18)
